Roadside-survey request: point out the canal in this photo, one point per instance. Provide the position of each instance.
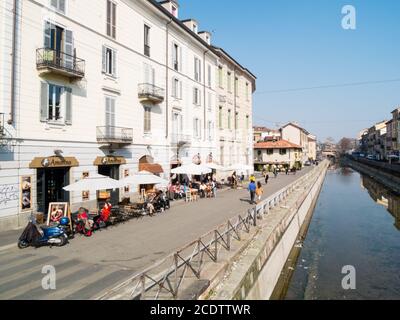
(356, 222)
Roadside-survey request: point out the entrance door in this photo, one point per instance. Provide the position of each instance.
(50, 184)
(112, 172)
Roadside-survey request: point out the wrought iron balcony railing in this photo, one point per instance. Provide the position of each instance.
(49, 60)
(117, 135)
(180, 139)
(150, 92)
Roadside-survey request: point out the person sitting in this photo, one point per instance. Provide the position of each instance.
(84, 218)
(203, 188)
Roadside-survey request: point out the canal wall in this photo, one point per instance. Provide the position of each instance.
(384, 177)
(254, 273)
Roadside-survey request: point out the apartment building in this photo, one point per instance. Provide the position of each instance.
(294, 133)
(235, 86)
(265, 134)
(395, 132)
(312, 147)
(278, 152)
(377, 140)
(113, 88)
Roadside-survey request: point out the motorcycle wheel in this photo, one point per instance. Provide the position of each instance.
(23, 244)
(64, 241)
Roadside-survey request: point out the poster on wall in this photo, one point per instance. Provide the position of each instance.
(57, 210)
(126, 174)
(26, 193)
(86, 193)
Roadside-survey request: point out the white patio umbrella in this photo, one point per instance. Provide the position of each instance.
(94, 183)
(192, 169)
(215, 166)
(143, 178)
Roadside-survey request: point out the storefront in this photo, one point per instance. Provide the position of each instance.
(52, 175)
(110, 166)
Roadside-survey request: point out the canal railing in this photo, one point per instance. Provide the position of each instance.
(165, 278)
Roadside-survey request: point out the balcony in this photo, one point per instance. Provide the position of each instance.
(150, 93)
(115, 135)
(222, 99)
(51, 61)
(180, 140)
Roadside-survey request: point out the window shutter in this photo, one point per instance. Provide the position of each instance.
(61, 6)
(69, 49)
(180, 90)
(104, 59)
(180, 60)
(54, 3)
(68, 106)
(44, 100)
(153, 76)
(47, 34)
(114, 63)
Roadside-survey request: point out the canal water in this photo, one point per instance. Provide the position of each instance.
(356, 223)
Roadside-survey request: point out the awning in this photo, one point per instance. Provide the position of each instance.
(53, 162)
(154, 168)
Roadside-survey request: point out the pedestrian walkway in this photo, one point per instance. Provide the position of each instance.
(89, 265)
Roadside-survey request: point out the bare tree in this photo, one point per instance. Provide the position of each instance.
(345, 144)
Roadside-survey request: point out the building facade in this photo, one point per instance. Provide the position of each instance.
(279, 152)
(377, 140)
(265, 134)
(112, 89)
(293, 133)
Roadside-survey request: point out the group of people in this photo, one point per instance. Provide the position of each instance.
(256, 190)
(205, 188)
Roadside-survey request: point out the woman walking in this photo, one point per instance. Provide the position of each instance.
(259, 191)
(266, 178)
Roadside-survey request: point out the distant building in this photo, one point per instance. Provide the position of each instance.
(293, 133)
(265, 134)
(279, 152)
(312, 147)
(395, 132)
(377, 140)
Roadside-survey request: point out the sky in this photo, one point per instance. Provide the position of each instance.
(295, 44)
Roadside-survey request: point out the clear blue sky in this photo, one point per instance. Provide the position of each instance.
(293, 44)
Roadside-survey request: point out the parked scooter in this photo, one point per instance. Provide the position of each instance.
(36, 236)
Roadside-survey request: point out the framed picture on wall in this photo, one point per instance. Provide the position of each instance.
(126, 174)
(86, 193)
(85, 175)
(26, 193)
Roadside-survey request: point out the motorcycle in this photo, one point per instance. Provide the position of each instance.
(37, 236)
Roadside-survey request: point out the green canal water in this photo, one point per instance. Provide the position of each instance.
(356, 222)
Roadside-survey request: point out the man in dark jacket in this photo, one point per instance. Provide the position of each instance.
(252, 189)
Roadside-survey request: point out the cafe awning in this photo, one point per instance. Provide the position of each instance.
(154, 168)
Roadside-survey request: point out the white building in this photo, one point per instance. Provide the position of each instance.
(294, 133)
(111, 88)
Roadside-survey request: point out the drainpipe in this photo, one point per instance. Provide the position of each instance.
(13, 63)
(167, 80)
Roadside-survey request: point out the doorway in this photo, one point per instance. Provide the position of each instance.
(111, 171)
(50, 184)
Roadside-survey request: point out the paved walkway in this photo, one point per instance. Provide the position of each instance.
(89, 265)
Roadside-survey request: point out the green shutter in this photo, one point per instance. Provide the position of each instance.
(68, 106)
(44, 101)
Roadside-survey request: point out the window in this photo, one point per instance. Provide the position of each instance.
(247, 122)
(146, 40)
(59, 5)
(195, 28)
(221, 153)
(210, 101)
(56, 103)
(175, 11)
(237, 87)
(229, 75)
(237, 120)
(197, 128)
(149, 74)
(220, 77)
(270, 151)
(229, 119)
(176, 57)
(111, 19)
(147, 120)
(220, 118)
(210, 129)
(196, 97)
(176, 88)
(247, 91)
(109, 61)
(282, 152)
(197, 69)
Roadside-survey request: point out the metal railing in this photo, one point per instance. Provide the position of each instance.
(110, 134)
(180, 139)
(150, 91)
(165, 278)
(49, 58)
(2, 128)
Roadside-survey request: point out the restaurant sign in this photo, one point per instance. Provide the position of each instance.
(53, 162)
(110, 160)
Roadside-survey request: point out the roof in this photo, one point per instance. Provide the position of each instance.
(296, 126)
(264, 129)
(280, 144)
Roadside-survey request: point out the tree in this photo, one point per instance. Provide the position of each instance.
(345, 144)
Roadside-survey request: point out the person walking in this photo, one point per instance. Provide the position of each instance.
(259, 191)
(266, 178)
(276, 172)
(252, 189)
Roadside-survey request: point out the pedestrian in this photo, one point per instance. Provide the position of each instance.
(234, 180)
(276, 172)
(287, 170)
(214, 187)
(266, 178)
(259, 191)
(252, 189)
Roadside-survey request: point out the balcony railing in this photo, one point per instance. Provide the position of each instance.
(117, 135)
(2, 128)
(180, 139)
(52, 61)
(222, 99)
(151, 93)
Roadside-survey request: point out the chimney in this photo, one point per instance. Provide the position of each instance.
(206, 36)
(192, 25)
(172, 6)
